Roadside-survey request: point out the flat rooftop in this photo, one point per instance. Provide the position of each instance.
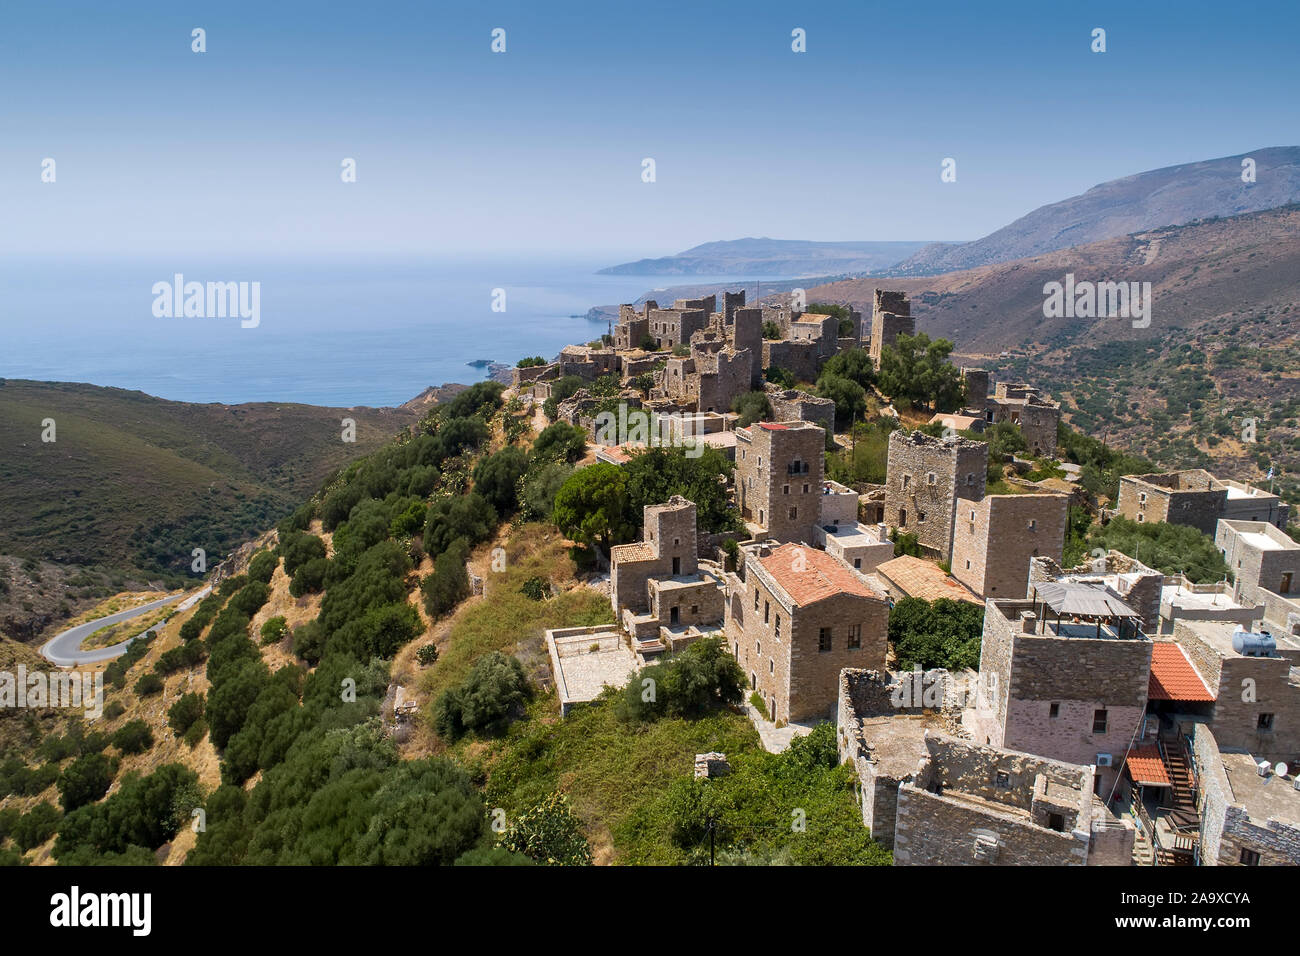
(586, 663)
(1261, 542)
(1178, 596)
(1264, 798)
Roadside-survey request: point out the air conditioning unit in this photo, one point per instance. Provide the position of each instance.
(1103, 760)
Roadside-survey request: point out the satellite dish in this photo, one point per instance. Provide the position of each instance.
(1280, 770)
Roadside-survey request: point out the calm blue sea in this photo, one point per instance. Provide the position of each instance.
(332, 332)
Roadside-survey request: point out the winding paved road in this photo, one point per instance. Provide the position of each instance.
(65, 649)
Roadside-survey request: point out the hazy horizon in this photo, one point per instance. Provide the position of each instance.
(459, 150)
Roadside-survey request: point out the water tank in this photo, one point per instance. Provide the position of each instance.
(1254, 645)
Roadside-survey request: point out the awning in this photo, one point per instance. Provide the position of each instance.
(1085, 600)
(1146, 768)
(1173, 677)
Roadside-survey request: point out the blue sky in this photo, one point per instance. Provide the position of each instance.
(462, 152)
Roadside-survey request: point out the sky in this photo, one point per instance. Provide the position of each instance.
(462, 152)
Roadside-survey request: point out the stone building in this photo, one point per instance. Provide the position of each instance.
(1062, 687)
(995, 538)
(795, 618)
(1024, 405)
(969, 805)
(926, 480)
(1198, 499)
(935, 799)
(976, 381)
(1249, 815)
(1139, 586)
(840, 534)
(661, 594)
(1261, 558)
(792, 405)
(779, 477)
(1256, 695)
(891, 314)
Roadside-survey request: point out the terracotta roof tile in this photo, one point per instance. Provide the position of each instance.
(809, 575)
(1173, 677)
(1146, 767)
(918, 578)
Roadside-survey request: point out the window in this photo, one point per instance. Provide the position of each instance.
(1056, 822)
(970, 479)
(967, 564)
(824, 639)
(785, 489)
(971, 528)
(855, 636)
(1054, 710)
(1033, 524)
(771, 666)
(805, 489)
(695, 609)
(857, 564)
(767, 609)
(1249, 857)
(931, 478)
(777, 630)
(1003, 780)
(902, 517)
(1265, 722)
(907, 480)
(794, 513)
(1286, 582)
(758, 648)
(1099, 722)
(755, 599)
(1141, 518)
(920, 516)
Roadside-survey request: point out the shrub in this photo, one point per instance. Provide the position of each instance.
(85, 781)
(536, 588)
(495, 688)
(702, 678)
(275, 629)
(148, 685)
(134, 737)
(448, 585)
(549, 833)
(185, 712)
(427, 654)
(263, 566)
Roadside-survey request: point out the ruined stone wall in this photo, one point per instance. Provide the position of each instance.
(791, 405)
(936, 830)
(803, 359)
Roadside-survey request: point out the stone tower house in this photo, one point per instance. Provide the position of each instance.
(779, 477)
(925, 481)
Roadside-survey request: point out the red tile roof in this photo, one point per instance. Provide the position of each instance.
(1146, 767)
(772, 426)
(809, 575)
(1173, 677)
(919, 578)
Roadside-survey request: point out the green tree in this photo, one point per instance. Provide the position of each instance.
(940, 633)
(849, 397)
(560, 441)
(592, 506)
(656, 474)
(752, 407)
(84, 781)
(917, 370)
(133, 737)
(496, 478)
(494, 690)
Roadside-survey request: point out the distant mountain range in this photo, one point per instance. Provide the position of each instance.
(774, 257)
(1171, 196)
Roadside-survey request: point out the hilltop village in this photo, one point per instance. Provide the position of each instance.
(1116, 714)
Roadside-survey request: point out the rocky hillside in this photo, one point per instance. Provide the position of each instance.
(1174, 195)
(773, 257)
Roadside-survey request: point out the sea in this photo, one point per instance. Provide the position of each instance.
(334, 332)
